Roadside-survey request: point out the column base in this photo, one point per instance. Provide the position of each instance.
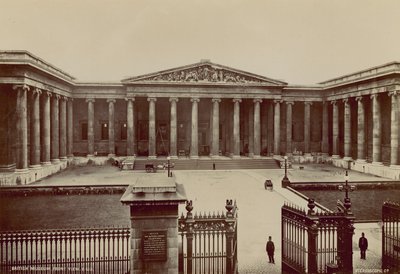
(46, 163)
(35, 166)
(235, 156)
(377, 163)
(251, 154)
(111, 155)
(394, 166)
(55, 161)
(215, 156)
(335, 156)
(152, 157)
(64, 158)
(70, 155)
(258, 156)
(90, 155)
(21, 170)
(361, 161)
(194, 156)
(307, 154)
(174, 157)
(347, 158)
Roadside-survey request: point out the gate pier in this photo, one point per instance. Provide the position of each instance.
(153, 205)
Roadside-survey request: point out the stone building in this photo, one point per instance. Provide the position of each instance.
(203, 109)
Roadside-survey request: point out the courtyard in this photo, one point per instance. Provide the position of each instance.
(259, 209)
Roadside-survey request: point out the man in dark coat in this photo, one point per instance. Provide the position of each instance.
(270, 248)
(363, 245)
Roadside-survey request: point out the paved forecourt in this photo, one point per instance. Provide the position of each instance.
(259, 209)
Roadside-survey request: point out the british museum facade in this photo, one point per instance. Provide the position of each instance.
(198, 110)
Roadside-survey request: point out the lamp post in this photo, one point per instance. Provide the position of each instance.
(285, 180)
(346, 187)
(168, 165)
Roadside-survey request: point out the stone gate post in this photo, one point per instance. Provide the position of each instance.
(153, 202)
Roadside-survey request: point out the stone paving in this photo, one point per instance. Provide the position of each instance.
(259, 209)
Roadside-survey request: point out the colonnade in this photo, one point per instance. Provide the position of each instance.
(254, 122)
(51, 127)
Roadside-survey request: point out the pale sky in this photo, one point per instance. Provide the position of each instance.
(299, 41)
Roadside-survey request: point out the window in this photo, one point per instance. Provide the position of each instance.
(124, 130)
(84, 131)
(104, 131)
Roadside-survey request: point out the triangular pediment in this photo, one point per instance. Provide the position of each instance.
(204, 72)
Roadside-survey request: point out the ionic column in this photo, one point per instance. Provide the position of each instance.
(257, 129)
(63, 128)
(251, 129)
(70, 128)
(215, 130)
(277, 127)
(35, 129)
(307, 116)
(394, 129)
(173, 128)
(347, 130)
(376, 130)
(45, 129)
(22, 127)
(152, 127)
(335, 129)
(130, 132)
(325, 131)
(90, 133)
(194, 145)
(111, 128)
(236, 127)
(289, 137)
(360, 130)
(55, 128)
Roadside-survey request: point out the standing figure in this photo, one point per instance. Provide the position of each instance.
(363, 245)
(270, 248)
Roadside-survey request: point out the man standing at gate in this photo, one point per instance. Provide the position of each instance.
(363, 245)
(270, 248)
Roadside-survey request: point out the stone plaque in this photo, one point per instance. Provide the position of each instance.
(154, 245)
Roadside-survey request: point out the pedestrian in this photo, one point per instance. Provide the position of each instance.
(363, 245)
(270, 248)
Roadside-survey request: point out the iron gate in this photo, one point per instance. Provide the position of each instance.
(96, 250)
(391, 237)
(208, 242)
(313, 242)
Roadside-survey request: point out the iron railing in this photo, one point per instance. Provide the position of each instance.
(95, 250)
(391, 237)
(208, 242)
(312, 240)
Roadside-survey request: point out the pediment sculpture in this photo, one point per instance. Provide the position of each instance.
(205, 73)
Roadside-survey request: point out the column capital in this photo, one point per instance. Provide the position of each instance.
(111, 101)
(359, 98)
(90, 100)
(151, 99)
(70, 99)
(19, 87)
(374, 96)
(308, 103)
(56, 96)
(345, 101)
(278, 101)
(64, 98)
(257, 100)
(238, 100)
(174, 99)
(194, 100)
(333, 102)
(130, 99)
(394, 93)
(289, 102)
(216, 100)
(36, 91)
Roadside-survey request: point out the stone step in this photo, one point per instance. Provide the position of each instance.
(207, 164)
